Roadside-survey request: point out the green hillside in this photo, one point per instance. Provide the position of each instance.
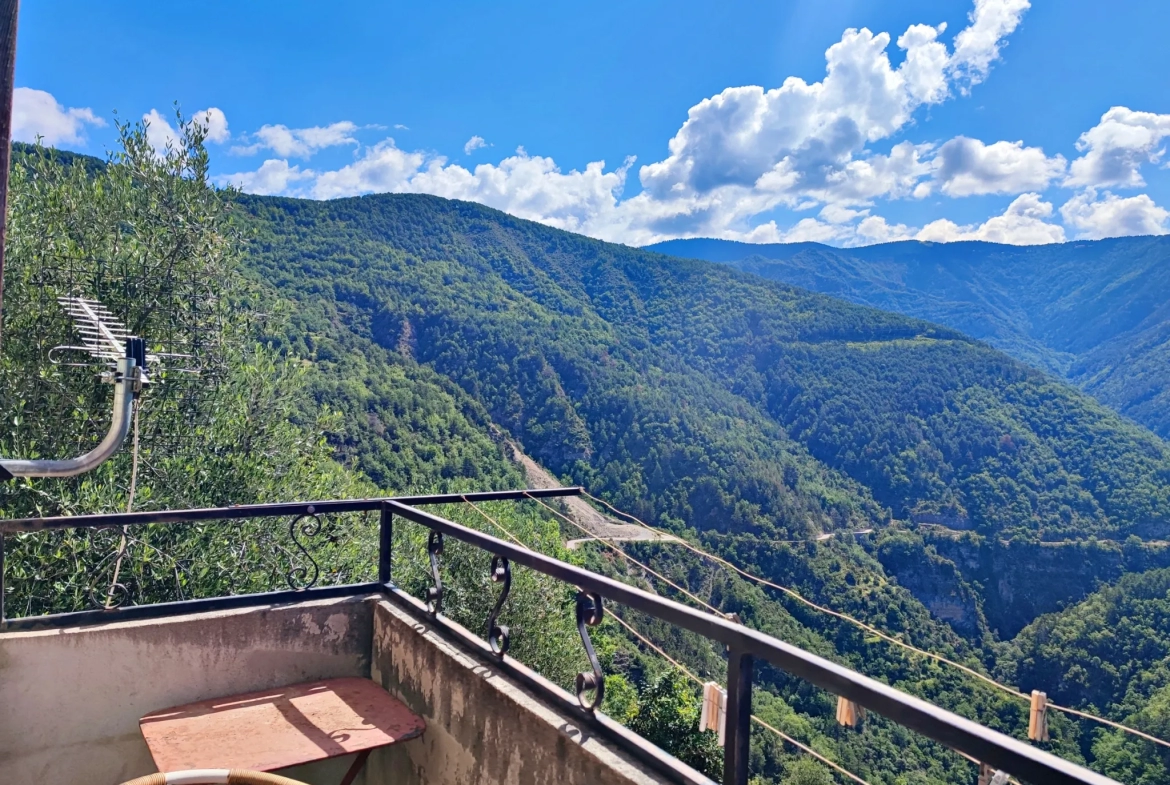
(1094, 313)
(698, 396)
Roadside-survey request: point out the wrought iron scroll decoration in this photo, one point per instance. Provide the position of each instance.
(590, 612)
(309, 525)
(435, 593)
(117, 591)
(498, 636)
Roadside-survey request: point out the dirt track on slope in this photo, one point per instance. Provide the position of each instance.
(585, 515)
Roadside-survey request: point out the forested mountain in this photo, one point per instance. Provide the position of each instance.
(708, 398)
(1095, 313)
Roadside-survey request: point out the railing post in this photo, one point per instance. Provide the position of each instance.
(737, 740)
(385, 543)
(1, 578)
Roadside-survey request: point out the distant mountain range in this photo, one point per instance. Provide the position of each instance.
(1095, 313)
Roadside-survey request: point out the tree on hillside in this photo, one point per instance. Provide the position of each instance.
(148, 237)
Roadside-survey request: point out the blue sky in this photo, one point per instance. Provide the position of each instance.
(844, 121)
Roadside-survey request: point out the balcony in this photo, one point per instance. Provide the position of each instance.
(74, 686)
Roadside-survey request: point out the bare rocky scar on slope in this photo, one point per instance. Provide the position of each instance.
(584, 514)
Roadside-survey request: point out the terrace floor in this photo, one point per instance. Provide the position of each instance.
(73, 698)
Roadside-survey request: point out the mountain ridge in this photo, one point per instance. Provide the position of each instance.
(1091, 312)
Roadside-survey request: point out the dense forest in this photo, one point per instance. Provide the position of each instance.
(401, 343)
(1093, 313)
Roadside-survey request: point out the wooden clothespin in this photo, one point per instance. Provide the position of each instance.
(714, 714)
(1038, 717)
(990, 776)
(849, 713)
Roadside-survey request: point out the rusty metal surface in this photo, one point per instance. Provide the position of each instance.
(277, 728)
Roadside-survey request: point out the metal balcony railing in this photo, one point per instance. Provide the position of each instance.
(745, 646)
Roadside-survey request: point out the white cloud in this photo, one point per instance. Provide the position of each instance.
(875, 229)
(160, 133)
(1113, 216)
(977, 46)
(273, 177)
(37, 113)
(802, 135)
(1115, 149)
(299, 142)
(926, 63)
(215, 121)
(968, 167)
(527, 186)
(1022, 223)
(473, 144)
(739, 154)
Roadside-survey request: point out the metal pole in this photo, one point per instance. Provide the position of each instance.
(737, 740)
(385, 543)
(1, 578)
(9, 10)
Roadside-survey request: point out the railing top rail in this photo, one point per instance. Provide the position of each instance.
(265, 510)
(984, 744)
(958, 733)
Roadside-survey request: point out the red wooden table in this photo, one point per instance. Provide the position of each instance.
(282, 727)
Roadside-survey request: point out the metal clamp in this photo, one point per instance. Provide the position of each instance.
(435, 593)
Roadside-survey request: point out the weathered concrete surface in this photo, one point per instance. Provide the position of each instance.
(482, 729)
(70, 699)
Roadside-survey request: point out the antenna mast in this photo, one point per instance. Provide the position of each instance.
(9, 10)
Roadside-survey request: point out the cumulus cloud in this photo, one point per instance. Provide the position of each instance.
(1115, 149)
(1113, 216)
(473, 144)
(1022, 223)
(37, 113)
(527, 186)
(160, 133)
(273, 177)
(802, 135)
(299, 142)
(968, 167)
(875, 229)
(978, 45)
(215, 122)
(743, 152)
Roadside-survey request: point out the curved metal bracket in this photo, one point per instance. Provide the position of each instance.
(435, 593)
(590, 612)
(498, 634)
(310, 527)
(127, 385)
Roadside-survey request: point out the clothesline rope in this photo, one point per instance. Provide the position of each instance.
(873, 630)
(670, 659)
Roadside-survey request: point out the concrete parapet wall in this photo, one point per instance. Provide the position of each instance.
(482, 729)
(70, 699)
